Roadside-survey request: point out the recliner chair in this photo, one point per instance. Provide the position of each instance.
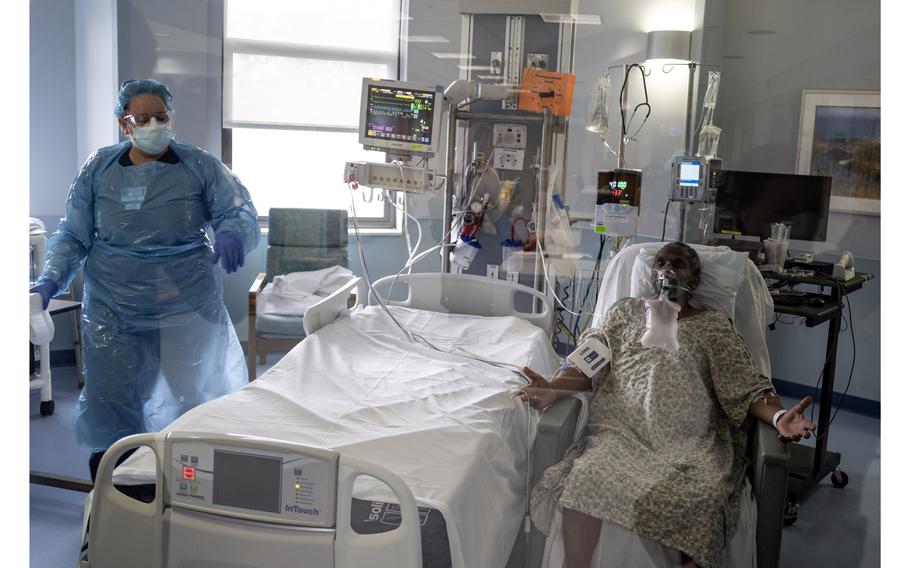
(770, 458)
(299, 240)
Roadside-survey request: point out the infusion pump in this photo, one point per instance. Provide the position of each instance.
(694, 179)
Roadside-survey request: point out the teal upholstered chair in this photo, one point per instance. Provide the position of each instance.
(299, 240)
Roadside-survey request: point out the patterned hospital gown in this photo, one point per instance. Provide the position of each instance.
(665, 451)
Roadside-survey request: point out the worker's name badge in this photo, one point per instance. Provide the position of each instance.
(132, 197)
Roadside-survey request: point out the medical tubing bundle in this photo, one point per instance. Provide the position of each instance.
(412, 337)
(546, 277)
(446, 236)
(366, 271)
(595, 277)
(404, 209)
(404, 199)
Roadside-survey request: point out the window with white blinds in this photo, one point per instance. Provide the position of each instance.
(292, 78)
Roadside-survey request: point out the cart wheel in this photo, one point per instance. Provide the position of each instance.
(839, 479)
(47, 407)
(791, 513)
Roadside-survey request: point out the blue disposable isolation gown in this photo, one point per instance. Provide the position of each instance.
(156, 337)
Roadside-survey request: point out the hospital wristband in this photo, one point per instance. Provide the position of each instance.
(777, 416)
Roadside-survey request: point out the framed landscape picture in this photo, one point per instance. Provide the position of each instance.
(840, 136)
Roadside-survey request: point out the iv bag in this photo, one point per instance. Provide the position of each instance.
(708, 138)
(711, 90)
(598, 110)
(708, 134)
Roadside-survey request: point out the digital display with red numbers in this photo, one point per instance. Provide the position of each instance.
(189, 473)
(620, 186)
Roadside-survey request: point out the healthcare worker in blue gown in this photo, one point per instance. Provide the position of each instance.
(156, 337)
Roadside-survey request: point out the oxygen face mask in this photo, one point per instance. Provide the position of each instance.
(665, 282)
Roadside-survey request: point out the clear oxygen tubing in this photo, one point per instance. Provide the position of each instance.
(552, 288)
(413, 337)
(457, 221)
(404, 209)
(407, 233)
(366, 271)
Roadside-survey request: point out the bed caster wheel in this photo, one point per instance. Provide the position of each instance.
(47, 407)
(839, 479)
(791, 513)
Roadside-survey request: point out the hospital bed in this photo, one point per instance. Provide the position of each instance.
(427, 414)
(444, 424)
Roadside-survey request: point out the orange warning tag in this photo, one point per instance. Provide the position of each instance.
(546, 89)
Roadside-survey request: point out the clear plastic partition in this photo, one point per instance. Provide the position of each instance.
(532, 149)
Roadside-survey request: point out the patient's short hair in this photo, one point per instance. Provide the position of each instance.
(690, 254)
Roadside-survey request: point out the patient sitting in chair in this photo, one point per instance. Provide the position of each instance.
(667, 430)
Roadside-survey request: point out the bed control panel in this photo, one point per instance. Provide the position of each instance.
(253, 479)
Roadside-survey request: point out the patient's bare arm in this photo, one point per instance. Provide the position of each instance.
(792, 424)
(541, 393)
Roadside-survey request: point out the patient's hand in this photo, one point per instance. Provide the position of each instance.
(539, 398)
(538, 394)
(793, 425)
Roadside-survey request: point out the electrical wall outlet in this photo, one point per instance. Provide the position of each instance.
(538, 61)
(508, 159)
(512, 277)
(510, 135)
(495, 63)
(493, 271)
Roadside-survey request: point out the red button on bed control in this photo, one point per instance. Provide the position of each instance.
(189, 473)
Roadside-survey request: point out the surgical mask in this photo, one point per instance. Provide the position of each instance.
(152, 138)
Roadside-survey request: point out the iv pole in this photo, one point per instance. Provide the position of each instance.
(684, 205)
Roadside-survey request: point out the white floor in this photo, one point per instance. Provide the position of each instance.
(836, 527)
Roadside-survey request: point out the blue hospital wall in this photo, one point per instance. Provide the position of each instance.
(813, 45)
(52, 120)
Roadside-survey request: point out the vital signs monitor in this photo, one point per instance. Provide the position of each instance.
(400, 117)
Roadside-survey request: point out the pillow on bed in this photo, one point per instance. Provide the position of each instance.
(722, 273)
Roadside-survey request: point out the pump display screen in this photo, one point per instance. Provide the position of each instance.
(619, 186)
(399, 114)
(689, 174)
(247, 481)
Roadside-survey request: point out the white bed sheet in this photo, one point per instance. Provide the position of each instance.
(446, 424)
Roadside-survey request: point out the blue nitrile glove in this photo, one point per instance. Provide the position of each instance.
(230, 250)
(47, 289)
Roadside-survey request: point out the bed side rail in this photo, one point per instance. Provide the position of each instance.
(465, 294)
(337, 304)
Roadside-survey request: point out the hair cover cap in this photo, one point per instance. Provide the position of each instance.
(135, 87)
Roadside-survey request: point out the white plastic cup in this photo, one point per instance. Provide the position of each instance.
(782, 247)
(772, 252)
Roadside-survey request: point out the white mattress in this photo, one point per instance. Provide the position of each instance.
(447, 425)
